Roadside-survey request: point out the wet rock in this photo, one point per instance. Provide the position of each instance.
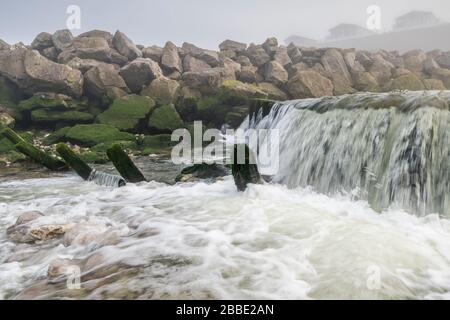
(207, 82)
(62, 39)
(202, 171)
(89, 135)
(43, 40)
(59, 268)
(236, 115)
(84, 233)
(48, 232)
(234, 92)
(154, 52)
(125, 46)
(244, 168)
(308, 84)
(6, 120)
(140, 73)
(163, 90)
(170, 60)
(187, 103)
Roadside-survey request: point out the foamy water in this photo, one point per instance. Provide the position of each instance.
(198, 240)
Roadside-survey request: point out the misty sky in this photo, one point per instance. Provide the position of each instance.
(203, 22)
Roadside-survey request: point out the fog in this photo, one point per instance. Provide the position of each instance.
(203, 22)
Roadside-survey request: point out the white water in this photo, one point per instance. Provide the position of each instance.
(209, 241)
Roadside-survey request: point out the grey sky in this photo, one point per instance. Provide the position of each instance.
(203, 22)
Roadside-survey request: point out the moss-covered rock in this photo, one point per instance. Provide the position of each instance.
(92, 134)
(48, 101)
(128, 113)
(212, 110)
(165, 119)
(6, 120)
(56, 136)
(158, 141)
(235, 93)
(45, 116)
(236, 116)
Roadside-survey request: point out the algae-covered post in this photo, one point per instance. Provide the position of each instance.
(244, 167)
(31, 151)
(74, 161)
(124, 164)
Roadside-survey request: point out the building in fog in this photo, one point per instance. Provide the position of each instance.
(416, 19)
(301, 41)
(348, 31)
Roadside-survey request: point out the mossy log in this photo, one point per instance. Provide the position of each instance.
(124, 164)
(74, 161)
(244, 167)
(31, 151)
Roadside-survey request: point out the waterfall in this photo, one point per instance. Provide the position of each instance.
(391, 149)
(106, 179)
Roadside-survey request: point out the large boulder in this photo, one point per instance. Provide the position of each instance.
(60, 117)
(444, 60)
(257, 55)
(231, 45)
(334, 64)
(62, 39)
(187, 101)
(163, 90)
(125, 46)
(364, 81)
(43, 40)
(89, 135)
(104, 81)
(50, 53)
(232, 67)
(406, 82)
(86, 64)
(98, 34)
(249, 74)
(208, 56)
(309, 84)
(282, 57)
(34, 73)
(140, 73)
(128, 113)
(170, 59)
(433, 84)
(294, 53)
(87, 48)
(272, 91)
(270, 45)
(4, 45)
(413, 60)
(443, 75)
(275, 73)
(154, 52)
(191, 64)
(164, 119)
(380, 69)
(236, 93)
(208, 81)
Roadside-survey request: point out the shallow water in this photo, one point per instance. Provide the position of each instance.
(198, 240)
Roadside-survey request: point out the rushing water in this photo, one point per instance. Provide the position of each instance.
(307, 235)
(389, 148)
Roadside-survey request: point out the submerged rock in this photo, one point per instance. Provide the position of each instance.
(202, 171)
(244, 168)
